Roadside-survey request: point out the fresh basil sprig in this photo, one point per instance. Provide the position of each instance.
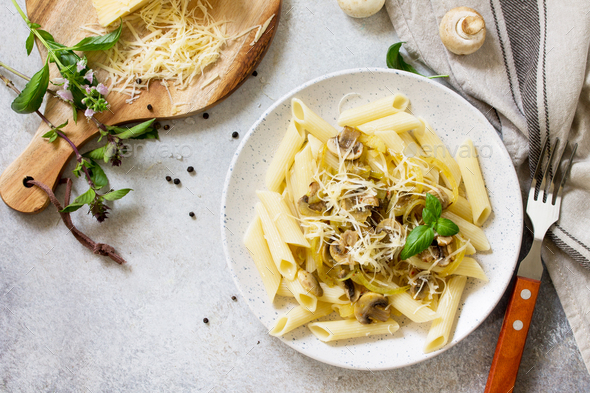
(31, 98)
(421, 237)
(396, 61)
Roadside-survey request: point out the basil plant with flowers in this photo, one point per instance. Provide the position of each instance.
(80, 88)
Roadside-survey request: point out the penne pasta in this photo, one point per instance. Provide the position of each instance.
(281, 254)
(392, 140)
(257, 247)
(316, 146)
(310, 121)
(411, 308)
(350, 328)
(304, 170)
(439, 332)
(305, 298)
(283, 290)
(470, 231)
(468, 267)
(398, 122)
(476, 191)
(298, 316)
(334, 294)
(373, 110)
(283, 157)
(434, 147)
(282, 218)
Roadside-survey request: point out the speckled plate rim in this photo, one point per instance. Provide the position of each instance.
(518, 207)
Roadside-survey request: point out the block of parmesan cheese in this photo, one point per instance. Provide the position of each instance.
(110, 10)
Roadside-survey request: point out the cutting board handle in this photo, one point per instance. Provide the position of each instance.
(43, 161)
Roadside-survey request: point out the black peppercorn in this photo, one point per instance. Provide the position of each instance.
(150, 107)
(234, 298)
(235, 134)
(167, 127)
(176, 181)
(205, 320)
(190, 169)
(205, 115)
(168, 178)
(138, 81)
(157, 125)
(191, 214)
(255, 73)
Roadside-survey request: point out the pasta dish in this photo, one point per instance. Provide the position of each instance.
(372, 221)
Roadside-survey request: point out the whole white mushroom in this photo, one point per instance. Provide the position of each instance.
(361, 8)
(462, 30)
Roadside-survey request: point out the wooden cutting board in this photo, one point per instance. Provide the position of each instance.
(45, 161)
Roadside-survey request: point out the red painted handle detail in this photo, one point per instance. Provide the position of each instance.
(515, 329)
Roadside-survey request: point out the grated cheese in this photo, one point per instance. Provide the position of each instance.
(164, 40)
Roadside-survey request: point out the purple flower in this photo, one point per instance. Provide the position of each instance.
(88, 89)
(67, 84)
(89, 113)
(102, 89)
(65, 95)
(80, 65)
(89, 76)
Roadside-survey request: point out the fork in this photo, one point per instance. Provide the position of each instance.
(543, 209)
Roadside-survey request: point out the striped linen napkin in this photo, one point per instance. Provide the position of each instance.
(532, 81)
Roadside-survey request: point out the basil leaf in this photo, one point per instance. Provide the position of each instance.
(51, 135)
(31, 98)
(72, 207)
(396, 61)
(428, 217)
(446, 227)
(417, 241)
(101, 42)
(30, 42)
(118, 194)
(97, 175)
(433, 204)
(151, 133)
(136, 131)
(85, 198)
(46, 36)
(96, 154)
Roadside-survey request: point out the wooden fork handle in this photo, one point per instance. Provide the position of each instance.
(515, 329)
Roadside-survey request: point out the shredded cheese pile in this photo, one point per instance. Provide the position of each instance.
(164, 40)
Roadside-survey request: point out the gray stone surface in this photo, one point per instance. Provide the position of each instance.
(72, 321)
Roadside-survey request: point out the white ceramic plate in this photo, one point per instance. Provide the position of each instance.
(453, 119)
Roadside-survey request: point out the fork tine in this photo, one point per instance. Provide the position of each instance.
(567, 171)
(552, 194)
(539, 165)
(546, 172)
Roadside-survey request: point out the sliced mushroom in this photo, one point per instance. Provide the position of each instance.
(418, 289)
(346, 145)
(309, 283)
(311, 204)
(371, 307)
(360, 214)
(462, 30)
(444, 240)
(391, 227)
(339, 250)
(352, 291)
(441, 195)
